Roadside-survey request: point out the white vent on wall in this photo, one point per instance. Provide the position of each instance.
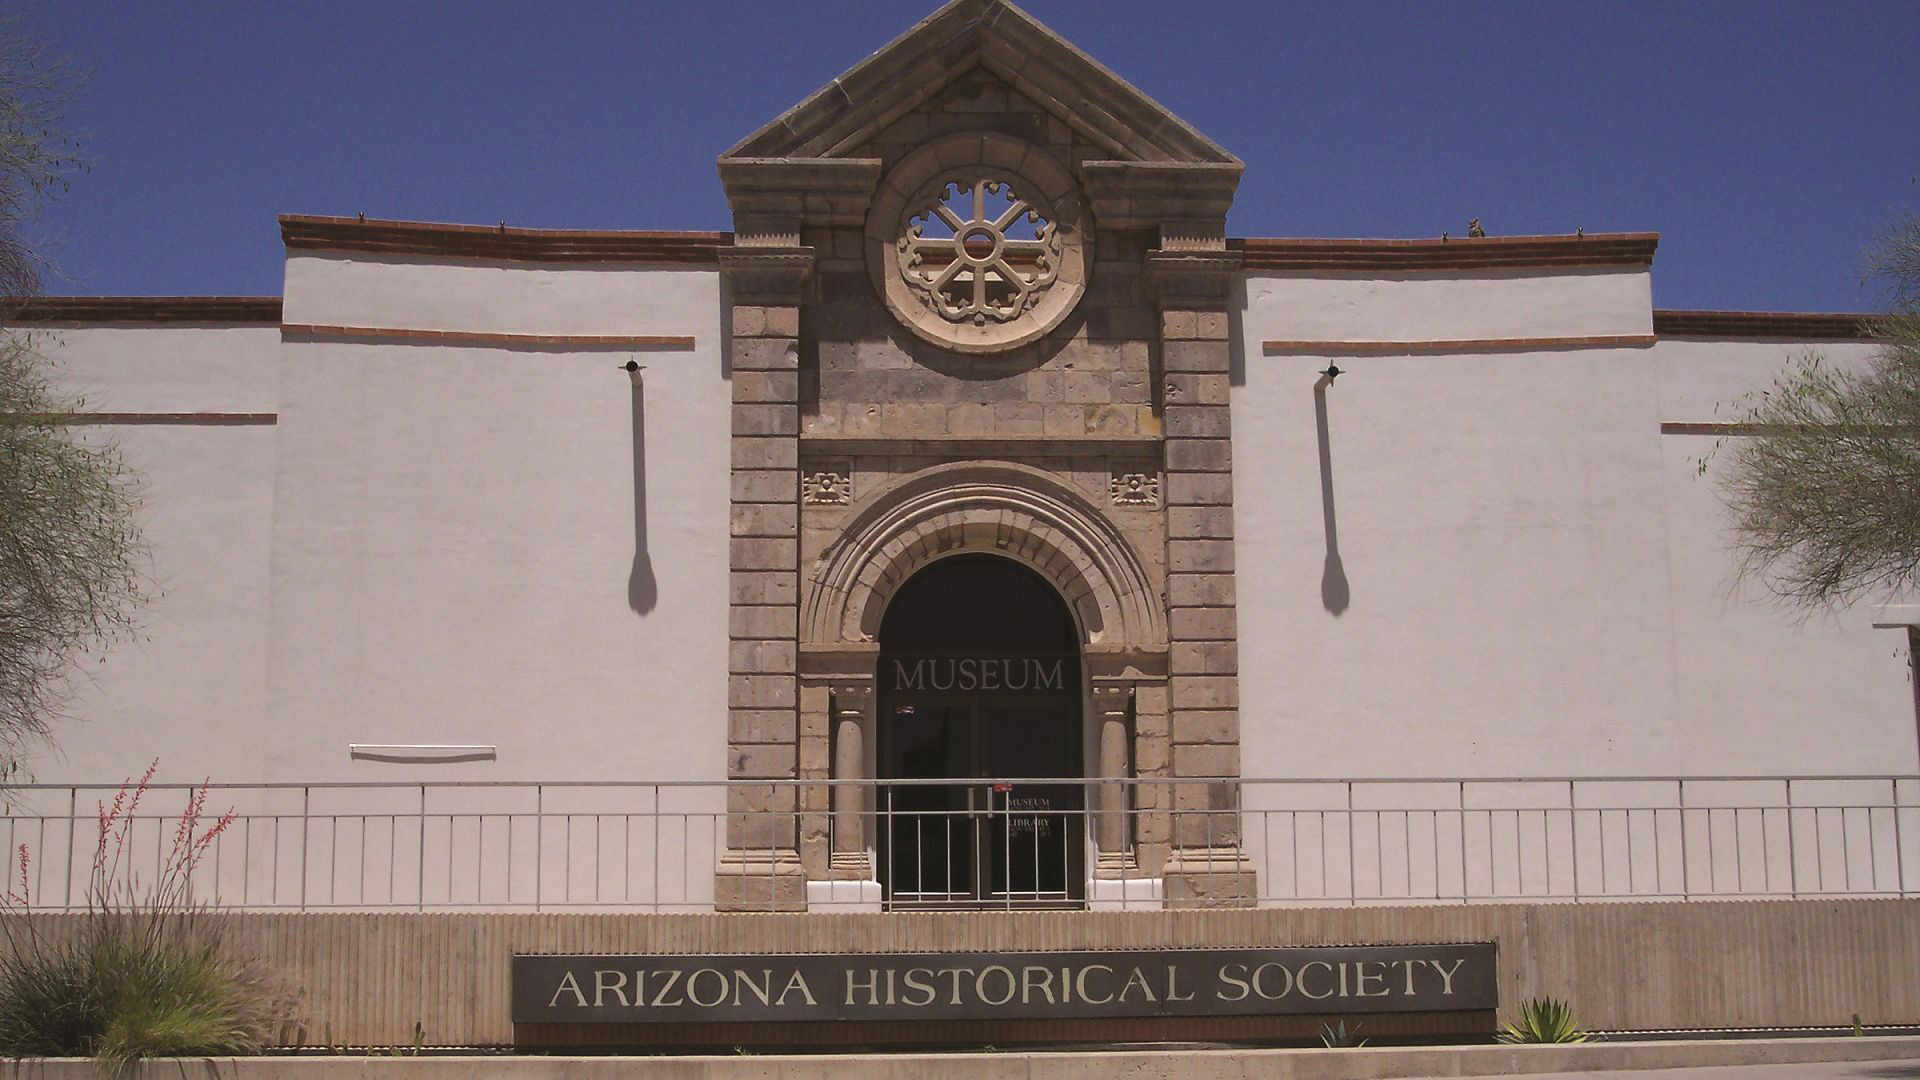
(414, 753)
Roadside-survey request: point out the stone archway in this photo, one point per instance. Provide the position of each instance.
(999, 507)
(1030, 516)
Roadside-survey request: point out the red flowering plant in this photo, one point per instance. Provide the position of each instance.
(143, 969)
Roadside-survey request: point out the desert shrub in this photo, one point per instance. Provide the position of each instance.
(143, 971)
(1543, 1020)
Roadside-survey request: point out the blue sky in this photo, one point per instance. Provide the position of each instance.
(1766, 142)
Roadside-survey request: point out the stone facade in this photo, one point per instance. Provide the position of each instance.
(1070, 412)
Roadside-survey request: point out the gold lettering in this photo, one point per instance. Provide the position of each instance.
(1173, 985)
(1235, 980)
(763, 991)
(568, 985)
(693, 987)
(871, 986)
(1408, 965)
(1446, 974)
(1137, 978)
(1080, 984)
(1027, 982)
(1259, 988)
(660, 995)
(919, 983)
(1300, 979)
(797, 982)
(1360, 978)
(980, 985)
(601, 986)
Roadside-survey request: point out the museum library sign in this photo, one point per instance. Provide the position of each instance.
(1003, 986)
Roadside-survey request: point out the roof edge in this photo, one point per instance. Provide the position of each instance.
(1768, 325)
(235, 310)
(1317, 254)
(304, 232)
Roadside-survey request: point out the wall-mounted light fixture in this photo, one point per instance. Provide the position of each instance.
(633, 368)
(1332, 372)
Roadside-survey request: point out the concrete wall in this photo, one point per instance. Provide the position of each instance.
(1493, 563)
(1622, 966)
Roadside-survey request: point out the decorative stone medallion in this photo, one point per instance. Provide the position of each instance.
(976, 243)
(826, 487)
(1136, 488)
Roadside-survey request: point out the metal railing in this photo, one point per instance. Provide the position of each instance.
(1015, 842)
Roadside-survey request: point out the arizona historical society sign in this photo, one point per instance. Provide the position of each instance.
(1002, 986)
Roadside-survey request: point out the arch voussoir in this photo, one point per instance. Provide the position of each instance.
(996, 507)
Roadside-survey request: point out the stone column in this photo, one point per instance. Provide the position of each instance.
(852, 719)
(760, 869)
(1194, 282)
(1114, 832)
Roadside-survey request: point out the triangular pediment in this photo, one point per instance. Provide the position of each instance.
(1106, 110)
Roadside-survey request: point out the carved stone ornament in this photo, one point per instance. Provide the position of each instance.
(1136, 488)
(826, 487)
(976, 243)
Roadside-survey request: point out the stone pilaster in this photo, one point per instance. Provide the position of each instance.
(1206, 865)
(761, 869)
(1113, 831)
(852, 721)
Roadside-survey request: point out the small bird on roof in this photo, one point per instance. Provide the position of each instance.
(1474, 229)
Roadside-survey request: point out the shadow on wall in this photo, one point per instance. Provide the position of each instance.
(1335, 595)
(643, 592)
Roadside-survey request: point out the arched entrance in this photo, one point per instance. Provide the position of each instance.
(979, 689)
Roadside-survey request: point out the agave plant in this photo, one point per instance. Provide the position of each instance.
(1331, 1036)
(1543, 1020)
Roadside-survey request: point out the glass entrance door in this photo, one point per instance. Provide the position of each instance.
(958, 828)
(979, 695)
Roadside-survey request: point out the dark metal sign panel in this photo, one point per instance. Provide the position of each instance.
(1003, 986)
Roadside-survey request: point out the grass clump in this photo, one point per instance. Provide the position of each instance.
(142, 972)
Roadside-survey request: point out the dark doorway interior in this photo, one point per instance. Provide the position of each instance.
(979, 689)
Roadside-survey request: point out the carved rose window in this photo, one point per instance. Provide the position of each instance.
(979, 250)
(977, 243)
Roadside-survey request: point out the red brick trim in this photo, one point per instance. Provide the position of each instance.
(462, 337)
(1471, 345)
(307, 233)
(1317, 255)
(262, 310)
(1765, 325)
(190, 419)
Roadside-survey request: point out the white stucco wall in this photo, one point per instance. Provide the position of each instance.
(455, 542)
(1535, 579)
(191, 689)
(1515, 304)
(434, 544)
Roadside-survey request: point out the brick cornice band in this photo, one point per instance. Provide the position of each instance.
(1765, 325)
(308, 233)
(463, 337)
(1314, 254)
(199, 310)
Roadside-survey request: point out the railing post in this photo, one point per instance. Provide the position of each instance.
(1899, 854)
(1573, 835)
(420, 862)
(73, 825)
(306, 811)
